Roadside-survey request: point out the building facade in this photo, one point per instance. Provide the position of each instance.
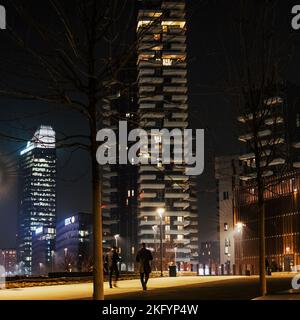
(279, 147)
(209, 253)
(227, 171)
(74, 243)
(37, 204)
(119, 184)
(282, 210)
(43, 250)
(162, 103)
(8, 259)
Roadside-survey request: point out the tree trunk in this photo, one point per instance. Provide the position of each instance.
(262, 248)
(98, 290)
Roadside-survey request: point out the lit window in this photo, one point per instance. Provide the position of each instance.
(180, 219)
(167, 62)
(157, 138)
(225, 226)
(167, 220)
(180, 237)
(167, 227)
(168, 237)
(157, 37)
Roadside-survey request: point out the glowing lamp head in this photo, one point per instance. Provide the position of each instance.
(239, 227)
(160, 211)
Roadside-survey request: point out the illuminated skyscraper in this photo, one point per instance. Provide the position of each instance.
(37, 192)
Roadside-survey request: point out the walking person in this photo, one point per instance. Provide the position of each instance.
(112, 259)
(144, 256)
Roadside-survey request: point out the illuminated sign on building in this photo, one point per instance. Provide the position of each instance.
(38, 230)
(69, 221)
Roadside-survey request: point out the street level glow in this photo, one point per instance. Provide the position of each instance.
(239, 227)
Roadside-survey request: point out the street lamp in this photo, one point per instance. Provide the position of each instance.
(116, 236)
(160, 212)
(239, 227)
(40, 265)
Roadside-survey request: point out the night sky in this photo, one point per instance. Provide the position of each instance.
(208, 36)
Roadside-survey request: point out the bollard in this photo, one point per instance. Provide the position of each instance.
(222, 269)
(240, 270)
(234, 269)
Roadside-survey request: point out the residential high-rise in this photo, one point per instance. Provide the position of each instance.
(119, 184)
(162, 103)
(37, 193)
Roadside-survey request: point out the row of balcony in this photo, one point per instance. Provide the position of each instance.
(151, 105)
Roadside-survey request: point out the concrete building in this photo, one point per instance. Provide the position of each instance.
(8, 259)
(227, 171)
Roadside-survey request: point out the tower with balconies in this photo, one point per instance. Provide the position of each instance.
(162, 103)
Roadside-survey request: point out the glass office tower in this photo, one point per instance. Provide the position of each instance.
(37, 194)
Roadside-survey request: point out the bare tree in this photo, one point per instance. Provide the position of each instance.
(257, 88)
(70, 58)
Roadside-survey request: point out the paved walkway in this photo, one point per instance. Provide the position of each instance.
(84, 290)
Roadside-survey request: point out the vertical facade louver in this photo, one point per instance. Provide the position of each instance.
(162, 103)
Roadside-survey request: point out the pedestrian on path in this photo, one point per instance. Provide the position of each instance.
(112, 258)
(143, 258)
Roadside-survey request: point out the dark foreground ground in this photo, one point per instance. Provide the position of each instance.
(232, 289)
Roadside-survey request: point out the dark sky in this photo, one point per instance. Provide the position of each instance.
(207, 32)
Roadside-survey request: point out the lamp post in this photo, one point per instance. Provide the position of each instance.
(4, 262)
(116, 236)
(154, 228)
(160, 212)
(239, 226)
(52, 260)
